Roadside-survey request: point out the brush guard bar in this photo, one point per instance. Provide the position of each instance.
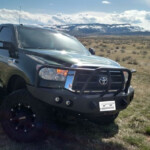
(71, 74)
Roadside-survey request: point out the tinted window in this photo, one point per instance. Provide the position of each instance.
(6, 34)
(36, 38)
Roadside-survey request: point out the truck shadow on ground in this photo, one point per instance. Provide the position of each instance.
(85, 136)
(81, 136)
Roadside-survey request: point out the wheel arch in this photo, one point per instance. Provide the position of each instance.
(16, 82)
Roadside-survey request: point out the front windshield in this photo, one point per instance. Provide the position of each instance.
(36, 38)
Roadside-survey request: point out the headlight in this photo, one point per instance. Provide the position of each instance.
(53, 74)
(126, 75)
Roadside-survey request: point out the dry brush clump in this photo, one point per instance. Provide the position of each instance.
(134, 52)
(117, 59)
(133, 61)
(101, 55)
(139, 47)
(108, 51)
(117, 47)
(126, 58)
(96, 47)
(102, 50)
(148, 46)
(122, 51)
(103, 45)
(144, 52)
(123, 47)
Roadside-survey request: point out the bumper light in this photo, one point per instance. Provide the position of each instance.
(68, 102)
(57, 99)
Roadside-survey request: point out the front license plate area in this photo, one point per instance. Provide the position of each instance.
(107, 106)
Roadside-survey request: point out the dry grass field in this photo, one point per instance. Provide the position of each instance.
(131, 130)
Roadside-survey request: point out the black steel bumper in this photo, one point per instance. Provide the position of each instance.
(81, 104)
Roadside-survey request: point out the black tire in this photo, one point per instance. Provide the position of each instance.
(105, 120)
(24, 119)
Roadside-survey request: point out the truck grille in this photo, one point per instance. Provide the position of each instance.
(89, 82)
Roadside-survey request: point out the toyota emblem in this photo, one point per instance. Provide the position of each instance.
(103, 80)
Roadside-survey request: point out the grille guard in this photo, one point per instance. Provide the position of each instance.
(94, 71)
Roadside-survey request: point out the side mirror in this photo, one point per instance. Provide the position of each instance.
(10, 47)
(92, 51)
(6, 45)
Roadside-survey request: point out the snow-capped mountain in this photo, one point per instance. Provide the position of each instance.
(100, 29)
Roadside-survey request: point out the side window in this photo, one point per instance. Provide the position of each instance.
(6, 34)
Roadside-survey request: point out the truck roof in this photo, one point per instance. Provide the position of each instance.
(29, 26)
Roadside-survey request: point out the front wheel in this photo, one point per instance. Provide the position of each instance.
(23, 117)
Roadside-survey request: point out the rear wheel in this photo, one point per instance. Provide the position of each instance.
(24, 118)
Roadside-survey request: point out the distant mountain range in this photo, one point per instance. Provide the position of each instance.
(100, 29)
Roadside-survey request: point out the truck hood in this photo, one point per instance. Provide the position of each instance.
(69, 59)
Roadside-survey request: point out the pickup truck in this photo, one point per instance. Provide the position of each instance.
(50, 76)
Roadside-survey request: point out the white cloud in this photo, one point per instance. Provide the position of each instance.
(105, 2)
(134, 17)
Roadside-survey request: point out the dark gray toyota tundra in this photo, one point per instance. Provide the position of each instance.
(47, 76)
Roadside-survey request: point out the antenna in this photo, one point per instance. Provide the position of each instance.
(19, 15)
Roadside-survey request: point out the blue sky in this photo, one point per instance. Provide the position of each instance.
(74, 6)
(50, 12)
